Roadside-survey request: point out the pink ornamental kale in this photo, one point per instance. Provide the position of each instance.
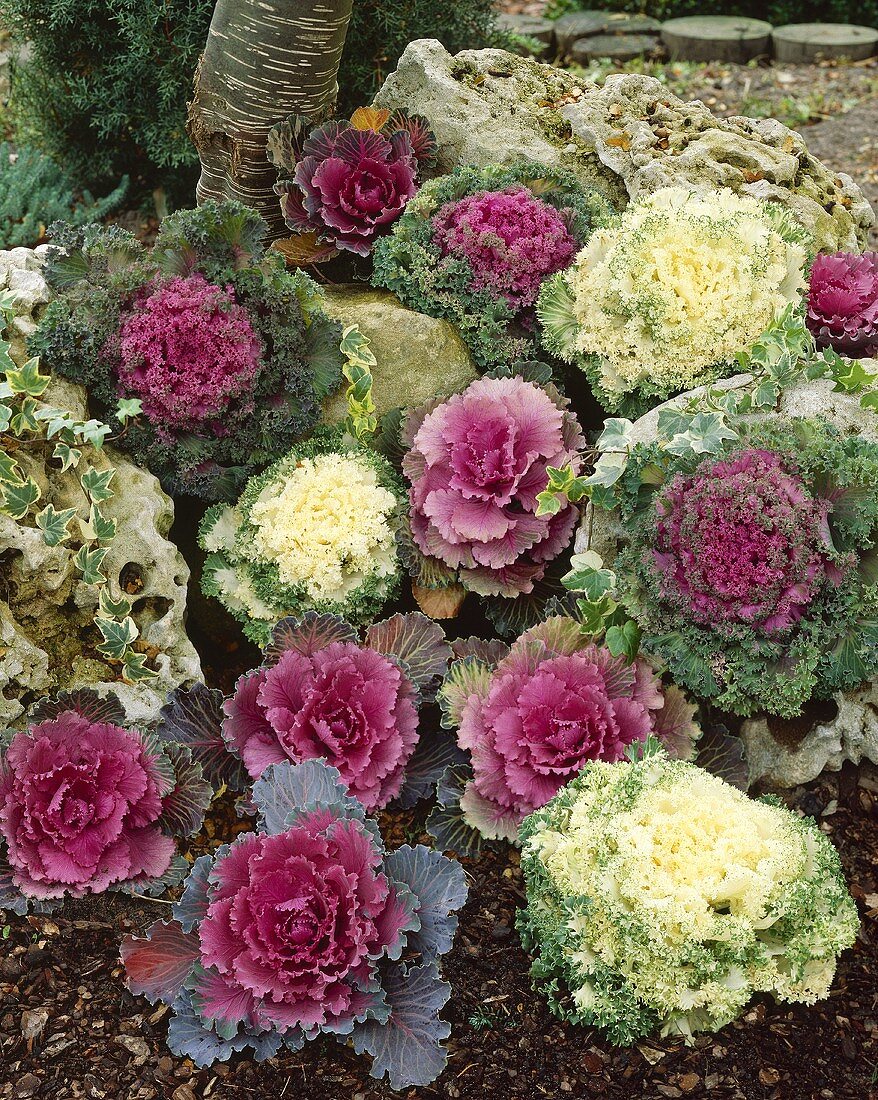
(324, 695)
(742, 540)
(476, 464)
(80, 807)
(843, 303)
(511, 240)
(188, 351)
(350, 185)
(547, 708)
(299, 928)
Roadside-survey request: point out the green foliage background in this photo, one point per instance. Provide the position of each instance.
(105, 89)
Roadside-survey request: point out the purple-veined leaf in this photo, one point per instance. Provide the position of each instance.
(283, 146)
(408, 1046)
(83, 701)
(490, 652)
(417, 642)
(466, 678)
(490, 820)
(188, 1037)
(719, 753)
(307, 635)
(675, 724)
(301, 249)
(560, 634)
(222, 1005)
(157, 965)
(184, 808)
(152, 887)
(440, 888)
(423, 139)
(446, 823)
(436, 750)
(194, 717)
(355, 146)
(321, 142)
(191, 909)
(289, 789)
(292, 208)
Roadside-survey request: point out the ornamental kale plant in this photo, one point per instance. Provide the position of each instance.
(322, 694)
(299, 929)
(843, 303)
(315, 531)
(532, 716)
(475, 246)
(751, 573)
(475, 463)
(344, 183)
(87, 805)
(661, 899)
(669, 295)
(222, 354)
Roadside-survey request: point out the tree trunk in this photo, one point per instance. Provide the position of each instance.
(264, 60)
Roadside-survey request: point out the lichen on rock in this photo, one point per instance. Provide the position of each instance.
(47, 633)
(628, 137)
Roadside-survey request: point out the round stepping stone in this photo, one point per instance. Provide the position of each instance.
(619, 47)
(583, 24)
(716, 38)
(803, 43)
(543, 30)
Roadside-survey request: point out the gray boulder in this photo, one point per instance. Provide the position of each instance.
(628, 137)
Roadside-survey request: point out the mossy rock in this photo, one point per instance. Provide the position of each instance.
(419, 357)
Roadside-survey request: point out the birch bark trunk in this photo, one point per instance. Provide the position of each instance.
(264, 60)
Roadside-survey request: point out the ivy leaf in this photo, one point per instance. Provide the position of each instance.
(25, 420)
(104, 529)
(89, 563)
(870, 400)
(587, 574)
(19, 498)
(68, 455)
(705, 435)
(27, 379)
(96, 483)
(355, 348)
(608, 469)
(624, 640)
(118, 636)
(594, 614)
(548, 503)
(54, 524)
(113, 609)
(127, 408)
(94, 432)
(134, 668)
(617, 435)
(5, 417)
(9, 469)
(849, 376)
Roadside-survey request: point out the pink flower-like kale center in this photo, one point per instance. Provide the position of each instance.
(187, 349)
(346, 704)
(511, 240)
(741, 541)
(476, 465)
(843, 303)
(296, 920)
(79, 805)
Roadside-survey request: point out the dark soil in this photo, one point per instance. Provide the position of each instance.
(69, 1029)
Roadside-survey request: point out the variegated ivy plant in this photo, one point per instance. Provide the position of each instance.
(28, 421)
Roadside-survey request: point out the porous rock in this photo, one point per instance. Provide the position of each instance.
(47, 634)
(779, 753)
(418, 357)
(628, 137)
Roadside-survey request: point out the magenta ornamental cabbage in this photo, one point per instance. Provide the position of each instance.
(843, 303)
(188, 351)
(349, 181)
(532, 719)
(299, 929)
(742, 541)
(476, 463)
(511, 240)
(322, 694)
(86, 805)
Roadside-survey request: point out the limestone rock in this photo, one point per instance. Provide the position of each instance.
(774, 756)
(47, 635)
(419, 357)
(629, 137)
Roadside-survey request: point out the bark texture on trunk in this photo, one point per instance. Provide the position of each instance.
(264, 60)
